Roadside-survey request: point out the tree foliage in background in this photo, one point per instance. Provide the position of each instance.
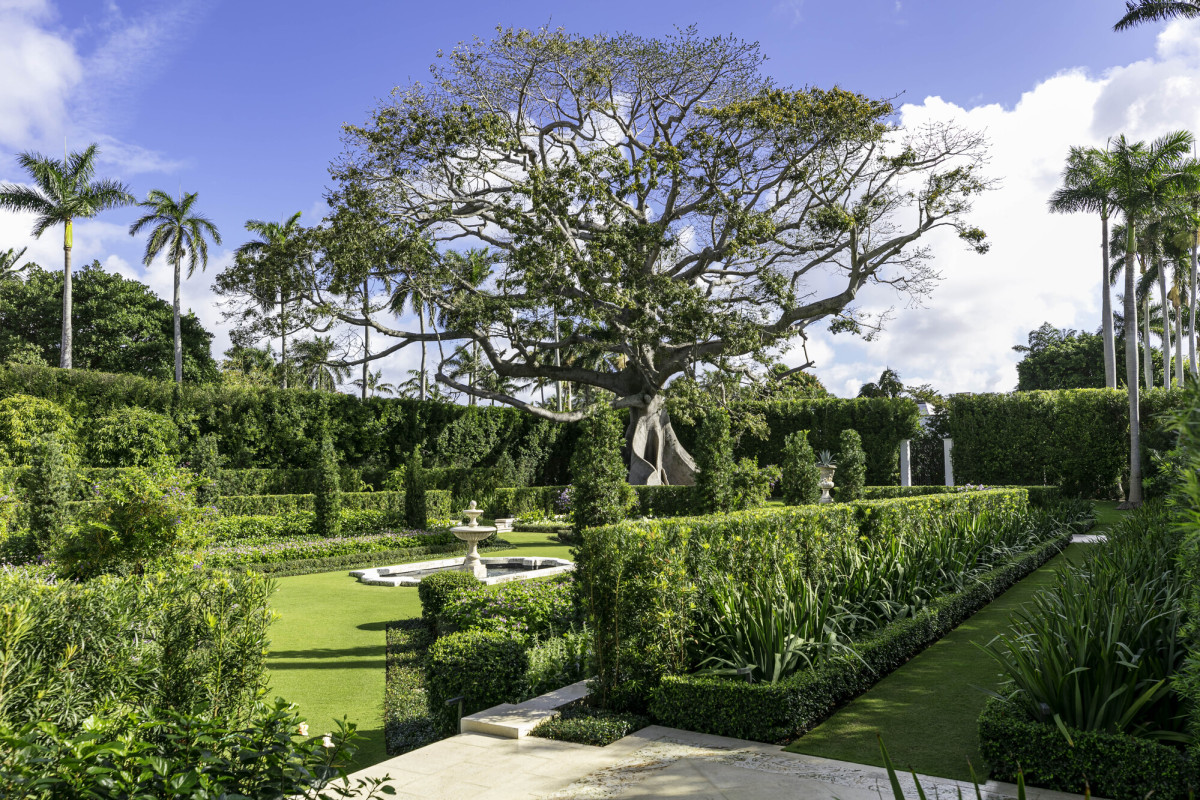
(1060, 359)
(24, 419)
(120, 325)
(647, 205)
(414, 492)
(714, 459)
(599, 493)
(851, 466)
(131, 437)
(801, 478)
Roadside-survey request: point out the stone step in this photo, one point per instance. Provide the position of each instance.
(514, 721)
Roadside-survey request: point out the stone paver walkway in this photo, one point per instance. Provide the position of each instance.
(652, 763)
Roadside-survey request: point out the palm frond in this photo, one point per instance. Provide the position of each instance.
(1137, 13)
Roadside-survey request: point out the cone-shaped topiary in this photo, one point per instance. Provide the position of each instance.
(852, 466)
(714, 462)
(414, 492)
(47, 485)
(599, 494)
(328, 501)
(801, 478)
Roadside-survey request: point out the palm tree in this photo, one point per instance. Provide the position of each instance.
(316, 365)
(181, 232)
(63, 192)
(274, 274)
(9, 270)
(1084, 189)
(411, 294)
(1155, 11)
(1144, 182)
(375, 384)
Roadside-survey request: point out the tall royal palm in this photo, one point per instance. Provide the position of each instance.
(1142, 11)
(274, 272)
(1145, 182)
(63, 192)
(177, 230)
(1084, 188)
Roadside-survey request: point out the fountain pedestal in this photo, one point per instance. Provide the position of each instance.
(473, 533)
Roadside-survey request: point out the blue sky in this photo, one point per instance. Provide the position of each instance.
(243, 103)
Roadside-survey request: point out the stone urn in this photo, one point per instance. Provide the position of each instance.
(473, 533)
(826, 466)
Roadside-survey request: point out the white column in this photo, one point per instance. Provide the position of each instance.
(905, 463)
(947, 446)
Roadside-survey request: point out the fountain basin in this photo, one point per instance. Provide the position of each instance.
(498, 570)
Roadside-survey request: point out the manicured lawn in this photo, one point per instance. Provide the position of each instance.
(327, 648)
(926, 711)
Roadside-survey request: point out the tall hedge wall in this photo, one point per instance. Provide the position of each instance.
(1076, 439)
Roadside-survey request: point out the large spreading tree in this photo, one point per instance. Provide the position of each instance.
(646, 206)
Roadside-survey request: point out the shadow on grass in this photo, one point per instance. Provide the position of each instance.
(280, 666)
(326, 652)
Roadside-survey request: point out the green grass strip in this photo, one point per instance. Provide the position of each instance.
(328, 649)
(927, 710)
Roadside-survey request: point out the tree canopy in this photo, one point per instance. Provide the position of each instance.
(120, 325)
(646, 205)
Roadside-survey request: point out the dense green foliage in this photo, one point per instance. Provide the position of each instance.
(416, 513)
(327, 497)
(599, 494)
(485, 668)
(1061, 359)
(440, 588)
(1073, 439)
(801, 478)
(769, 712)
(1185, 502)
(206, 464)
(47, 485)
(119, 326)
(640, 582)
(714, 463)
(519, 608)
(130, 437)
(25, 419)
(852, 466)
(407, 723)
(584, 724)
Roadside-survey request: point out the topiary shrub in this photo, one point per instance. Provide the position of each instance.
(24, 419)
(440, 588)
(327, 503)
(131, 437)
(584, 724)
(485, 668)
(801, 479)
(599, 494)
(852, 466)
(714, 462)
(750, 484)
(47, 484)
(206, 464)
(414, 492)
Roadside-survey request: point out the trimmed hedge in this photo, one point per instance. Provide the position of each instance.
(292, 481)
(437, 503)
(525, 501)
(1116, 766)
(638, 580)
(667, 501)
(1077, 439)
(583, 724)
(435, 590)
(407, 723)
(485, 668)
(774, 712)
(361, 560)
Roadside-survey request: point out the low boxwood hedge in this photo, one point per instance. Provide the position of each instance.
(407, 721)
(438, 503)
(1117, 766)
(583, 724)
(485, 668)
(775, 712)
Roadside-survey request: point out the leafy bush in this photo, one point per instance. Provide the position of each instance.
(327, 499)
(190, 641)
(163, 754)
(584, 724)
(599, 495)
(667, 501)
(131, 437)
(520, 608)
(438, 589)
(485, 668)
(24, 420)
(800, 476)
(294, 481)
(407, 722)
(47, 484)
(140, 517)
(751, 485)
(1097, 651)
(558, 661)
(415, 512)
(714, 463)
(206, 464)
(852, 466)
(323, 547)
(525, 502)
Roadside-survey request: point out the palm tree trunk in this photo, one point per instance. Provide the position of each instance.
(1110, 348)
(1178, 341)
(67, 333)
(1166, 324)
(1147, 349)
(178, 331)
(283, 339)
(1192, 315)
(421, 322)
(366, 341)
(1134, 495)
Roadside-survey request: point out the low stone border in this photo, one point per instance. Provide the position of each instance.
(402, 574)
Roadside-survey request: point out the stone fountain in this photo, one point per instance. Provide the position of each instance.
(473, 533)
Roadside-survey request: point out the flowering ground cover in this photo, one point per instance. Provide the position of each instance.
(328, 647)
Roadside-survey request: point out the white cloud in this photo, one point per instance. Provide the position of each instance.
(41, 69)
(1042, 267)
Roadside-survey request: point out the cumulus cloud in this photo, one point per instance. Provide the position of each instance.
(1042, 267)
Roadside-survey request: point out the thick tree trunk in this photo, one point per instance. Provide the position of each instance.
(67, 333)
(1166, 324)
(1134, 497)
(656, 457)
(178, 331)
(1110, 348)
